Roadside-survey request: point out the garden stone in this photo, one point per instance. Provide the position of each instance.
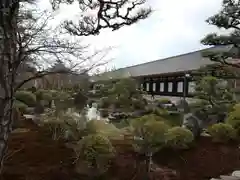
(193, 123)
(53, 104)
(236, 174)
(229, 178)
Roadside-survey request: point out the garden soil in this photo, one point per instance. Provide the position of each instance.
(32, 155)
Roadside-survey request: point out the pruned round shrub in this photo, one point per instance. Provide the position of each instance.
(222, 132)
(26, 97)
(104, 128)
(20, 106)
(44, 95)
(149, 136)
(234, 118)
(179, 138)
(164, 101)
(95, 154)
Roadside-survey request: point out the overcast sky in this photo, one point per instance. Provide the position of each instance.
(175, 27)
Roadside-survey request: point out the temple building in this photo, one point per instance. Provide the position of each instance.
(173, 76)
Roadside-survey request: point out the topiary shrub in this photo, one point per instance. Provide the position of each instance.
(164, 101)
(149, 137)
(104, 128)
(26, 97)
(95, 153)
(20, 106)
(44, 95)
(179, 138)
(233, 118)
(222, 132)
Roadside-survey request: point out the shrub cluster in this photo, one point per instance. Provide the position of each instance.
(95, 150)
(157, 133)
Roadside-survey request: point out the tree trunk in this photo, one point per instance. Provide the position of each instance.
(8, 69)
(5, 128)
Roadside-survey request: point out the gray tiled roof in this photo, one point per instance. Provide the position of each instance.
(184, 62)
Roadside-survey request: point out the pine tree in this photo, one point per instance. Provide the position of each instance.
(228, 18)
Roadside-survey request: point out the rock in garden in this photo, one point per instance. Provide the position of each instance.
(223, 177)
(236, 174)
(192, 123)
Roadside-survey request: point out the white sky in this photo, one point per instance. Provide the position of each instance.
(175, 27)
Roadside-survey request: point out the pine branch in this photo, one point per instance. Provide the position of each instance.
(107, 15)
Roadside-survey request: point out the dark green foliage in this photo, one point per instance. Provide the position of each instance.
(234, 118)
(173, 119)
(213, 90)
(63, 100)
(222, 132)
(32, 89)
(216, 98)
(150, 134)
(97, 152)
(149, 137)
(39, 107)
(179, 138)
(26, 97)
(42, 94)
(20, 106)
(164, 101)
(122, 94)
(199, 108)
(138, 104)
(80, 100)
